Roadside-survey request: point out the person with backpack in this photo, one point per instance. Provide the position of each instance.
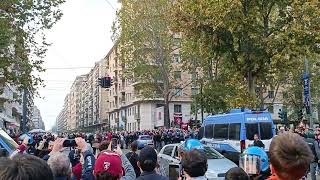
(133, 157)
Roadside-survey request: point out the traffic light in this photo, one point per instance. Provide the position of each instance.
(105, 82)
(281, 114)
(300, 115)
(108, 82)
(100, 82)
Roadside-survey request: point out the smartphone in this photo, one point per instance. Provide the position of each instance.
(69, 143)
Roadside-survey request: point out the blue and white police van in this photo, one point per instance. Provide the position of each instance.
(233, 132)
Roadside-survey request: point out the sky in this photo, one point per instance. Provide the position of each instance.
(81, 38)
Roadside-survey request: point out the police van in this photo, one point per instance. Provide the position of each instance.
(233, 132)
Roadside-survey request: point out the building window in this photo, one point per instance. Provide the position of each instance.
(194, 91)
(270, 94)
(177, 58)
(270, 109)
(178, 92)
(177, 42)
(177, 75)
(177, 108)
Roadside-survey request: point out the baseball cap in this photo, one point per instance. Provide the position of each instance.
(147, 153)
(108, 162)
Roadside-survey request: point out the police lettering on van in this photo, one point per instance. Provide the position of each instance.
(233, 132)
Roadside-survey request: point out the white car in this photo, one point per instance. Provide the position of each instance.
(144, 140)
(218, 165)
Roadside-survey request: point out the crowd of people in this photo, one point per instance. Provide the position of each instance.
(160, 137)
(292, 154)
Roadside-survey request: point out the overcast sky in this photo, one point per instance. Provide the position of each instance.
(80, 38)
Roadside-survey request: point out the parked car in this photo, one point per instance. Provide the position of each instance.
(144, 140)
(218, 165)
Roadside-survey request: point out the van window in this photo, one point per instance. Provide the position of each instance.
(221, 131)
(266, 131)
(209, 131)
(234, 131)
(251, 130)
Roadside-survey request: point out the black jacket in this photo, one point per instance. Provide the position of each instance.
(314, 146)
(151, 176)
(133, 158)
(258, 143)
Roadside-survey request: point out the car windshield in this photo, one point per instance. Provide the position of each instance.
(212, 154)
(8, 140)
(145, 137)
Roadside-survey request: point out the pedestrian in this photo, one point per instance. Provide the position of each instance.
(236, 173)
(314, 146)
(290, 157)
(257, 141)
(194, 165)
(281, 130)
(24, 167)
(113, 166)
(60, 166)
(147, 163)
(133, 157)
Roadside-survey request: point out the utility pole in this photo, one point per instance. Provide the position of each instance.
(24, 111)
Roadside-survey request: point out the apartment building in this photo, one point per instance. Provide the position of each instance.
(94, 108)
(64, 116)
(37, 119)
(74, 103)
(93, 112)
(127, 110)
(10, 110)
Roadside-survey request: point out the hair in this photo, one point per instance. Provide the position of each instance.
(148, 165)
(104, 145)
(194, 163)
(24, 167)
(290, 156)
(60, 165)
(106, 176)
(134, 146)
(236, 173)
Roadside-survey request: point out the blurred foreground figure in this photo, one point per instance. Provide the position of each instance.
(290, 157)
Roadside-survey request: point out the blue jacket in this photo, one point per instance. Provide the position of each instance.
(88, 166)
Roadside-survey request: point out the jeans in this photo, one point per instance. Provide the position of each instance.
(313, 167)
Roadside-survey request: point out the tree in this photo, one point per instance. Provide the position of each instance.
(294, 95)
(261, 42)
(22, 39)
(146, 48)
